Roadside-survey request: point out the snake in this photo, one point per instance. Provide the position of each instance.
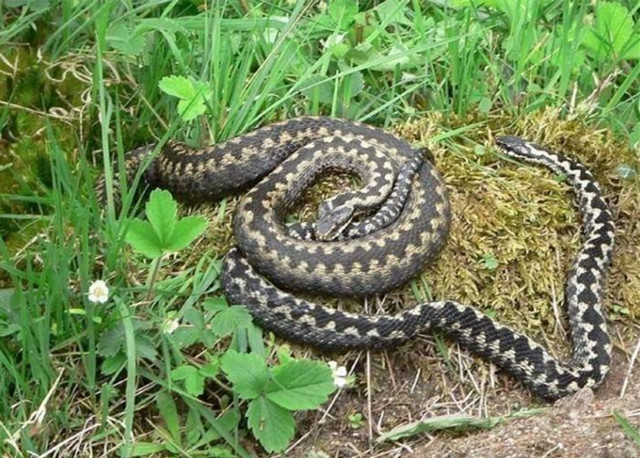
(371, 239)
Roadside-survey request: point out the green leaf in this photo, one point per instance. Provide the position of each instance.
(393, 11)
(489, 261)
(113, 364)
(169, 413)
(190, 109)
(177, 86)
(192, 95)
(146, 448)
(143, 239)
(612, 31)
(631, 432)
(272, 425)
(210, 370)
(256, 342)
(215, 304)
(195, 384)
(343, 12)
(318, 86)
(111, 340)
(485, 105)
(247, 372)
(183, 372)
(300, 385)
(162, 212)
(145, 349)
(120, 37)
(185, 231)
(230, 319)
(193, 379)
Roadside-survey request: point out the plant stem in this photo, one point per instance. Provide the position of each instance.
(153, 275)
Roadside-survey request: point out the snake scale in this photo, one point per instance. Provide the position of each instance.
(373, 239)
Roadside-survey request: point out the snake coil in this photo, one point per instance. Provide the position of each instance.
(400, 220)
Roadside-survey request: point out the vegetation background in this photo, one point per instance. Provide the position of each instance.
(84, 81)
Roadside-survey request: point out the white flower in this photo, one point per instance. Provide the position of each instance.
(169, 325)
(339, 374)
(98, 292)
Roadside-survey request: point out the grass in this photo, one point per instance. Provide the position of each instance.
(79, 86)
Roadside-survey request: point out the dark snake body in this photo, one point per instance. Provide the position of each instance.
(290, 155)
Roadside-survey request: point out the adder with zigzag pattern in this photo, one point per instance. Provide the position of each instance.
(405, 222)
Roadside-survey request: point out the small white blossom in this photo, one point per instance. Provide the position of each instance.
(339, 374)
(170, 325)
(98, 292)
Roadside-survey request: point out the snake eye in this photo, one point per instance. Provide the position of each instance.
(332, 221)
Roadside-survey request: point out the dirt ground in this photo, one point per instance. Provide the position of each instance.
(578, 426)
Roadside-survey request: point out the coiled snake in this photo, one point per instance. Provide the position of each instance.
(374, 239)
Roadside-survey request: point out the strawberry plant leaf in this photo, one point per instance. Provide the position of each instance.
(162, 212)
(230, 319)
(185, 231)
(247, 372)
(177, 86)
(300, 385)
(271, 424)
(143, 239)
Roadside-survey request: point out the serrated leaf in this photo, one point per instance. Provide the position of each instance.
(190, 109)
(112, 364)
(611, 32)
(272, 425)
(247, 372)
(210, 370)
(162, 212)
(185, 231)
(169, 413)
(145, 348)
(256, 341)
(193, 380)
(111, 341)
(195, 384)
(484, 106)
(192, 95)
(230, 319)
(182, 372)
(185, 336)
(202, 90)
(215, 304)
(120, 37)
(300, 385)
(143, 239)
(318, 86)
(177, 86)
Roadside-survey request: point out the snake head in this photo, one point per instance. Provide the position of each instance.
(332, 220)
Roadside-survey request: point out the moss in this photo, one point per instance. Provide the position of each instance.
(523, 217)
